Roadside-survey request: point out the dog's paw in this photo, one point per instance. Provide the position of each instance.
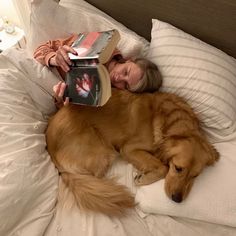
(147, 178)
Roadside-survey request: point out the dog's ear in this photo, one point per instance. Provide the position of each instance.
(213, 155)
(168, 149)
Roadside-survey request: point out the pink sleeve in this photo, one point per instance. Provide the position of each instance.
(45, 51)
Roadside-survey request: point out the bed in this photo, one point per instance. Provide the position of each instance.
(193, 44)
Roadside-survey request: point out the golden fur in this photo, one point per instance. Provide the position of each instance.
(158, 133)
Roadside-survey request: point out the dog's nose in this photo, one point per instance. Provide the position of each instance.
(177, 197)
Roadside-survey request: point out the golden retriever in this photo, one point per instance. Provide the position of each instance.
(157, 132)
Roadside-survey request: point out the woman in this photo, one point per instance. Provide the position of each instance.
(136, 75)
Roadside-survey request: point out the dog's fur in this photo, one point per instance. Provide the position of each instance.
(158, 133)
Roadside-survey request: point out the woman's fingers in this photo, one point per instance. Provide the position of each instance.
(66, 102)
(60, 60)
(59, 90)
(62, 57)
(69, 49)
(56, 88)
(62, 90)
(64, 50)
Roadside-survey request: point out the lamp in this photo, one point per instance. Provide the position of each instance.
(8, 10)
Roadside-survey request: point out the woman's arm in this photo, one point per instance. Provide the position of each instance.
(46, 53)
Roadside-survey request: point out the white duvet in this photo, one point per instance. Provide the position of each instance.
(29, 180)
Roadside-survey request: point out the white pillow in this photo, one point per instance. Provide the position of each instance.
(211, 199)
(200, 73)
(49, 20)
(38, 79)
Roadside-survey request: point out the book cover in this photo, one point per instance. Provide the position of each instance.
(95, 45)
(83, 84)
(88, 81)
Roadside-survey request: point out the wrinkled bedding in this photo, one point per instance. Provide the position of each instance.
(28, 179)
(30, 184)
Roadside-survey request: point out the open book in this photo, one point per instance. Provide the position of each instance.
(88, 81)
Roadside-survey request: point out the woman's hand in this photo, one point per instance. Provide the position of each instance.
(59, 90)
(61, 58)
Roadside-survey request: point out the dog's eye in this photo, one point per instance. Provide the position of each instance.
(178, 169)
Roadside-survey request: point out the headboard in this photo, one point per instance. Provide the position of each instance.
(212, 21)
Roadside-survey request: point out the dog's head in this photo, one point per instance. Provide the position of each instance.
(186, 157)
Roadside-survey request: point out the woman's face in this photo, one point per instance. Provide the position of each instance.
(124, 75)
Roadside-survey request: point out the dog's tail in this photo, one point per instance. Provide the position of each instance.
(100, 195)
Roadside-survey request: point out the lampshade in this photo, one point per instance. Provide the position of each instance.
(8, 10)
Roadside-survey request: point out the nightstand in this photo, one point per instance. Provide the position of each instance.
(16, 39)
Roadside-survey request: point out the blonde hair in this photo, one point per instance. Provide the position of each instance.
(151, 80)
